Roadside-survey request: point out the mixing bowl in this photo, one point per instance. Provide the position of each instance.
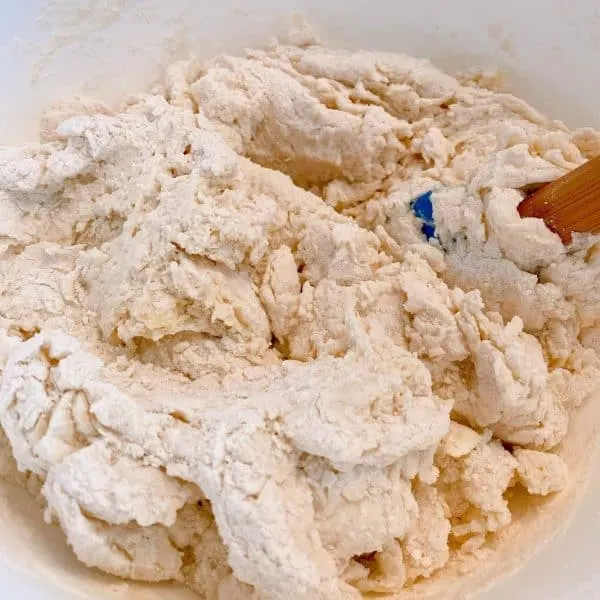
(548, 53)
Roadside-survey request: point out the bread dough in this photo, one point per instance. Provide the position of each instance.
(229, 356)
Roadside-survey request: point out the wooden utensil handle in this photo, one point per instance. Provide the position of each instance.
(569, 204)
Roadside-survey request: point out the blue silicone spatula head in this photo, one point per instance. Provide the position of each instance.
(423, 210)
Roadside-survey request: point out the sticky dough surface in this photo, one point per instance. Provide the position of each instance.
(231, 359)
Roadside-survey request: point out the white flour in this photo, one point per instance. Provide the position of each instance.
(230, 357)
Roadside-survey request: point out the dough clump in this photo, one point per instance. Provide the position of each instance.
(230, 357)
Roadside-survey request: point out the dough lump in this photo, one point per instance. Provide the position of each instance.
(229, 356)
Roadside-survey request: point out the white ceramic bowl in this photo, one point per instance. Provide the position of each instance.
(549, 51)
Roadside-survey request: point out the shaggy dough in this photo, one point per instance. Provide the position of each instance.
(229, 356)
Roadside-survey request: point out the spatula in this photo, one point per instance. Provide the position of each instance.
(569, 204)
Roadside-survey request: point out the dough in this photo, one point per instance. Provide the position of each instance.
(230, 357)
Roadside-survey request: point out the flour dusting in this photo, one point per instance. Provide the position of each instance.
(231, 359)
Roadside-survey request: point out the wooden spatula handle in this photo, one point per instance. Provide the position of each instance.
(569, 204)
